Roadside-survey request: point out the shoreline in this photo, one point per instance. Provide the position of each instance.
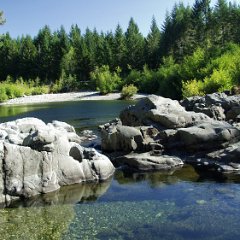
(64, 97)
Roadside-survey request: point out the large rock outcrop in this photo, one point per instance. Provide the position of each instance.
(37, 158)
(160, 112)
(160, 128)
(219, 106)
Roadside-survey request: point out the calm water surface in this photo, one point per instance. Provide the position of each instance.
(163, 205)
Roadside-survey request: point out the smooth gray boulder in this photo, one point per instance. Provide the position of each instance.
(50, 140)
(62, 126)
(116, 137)
(174, 128)
(221, 161)
(207, 135)
(215, 105)
(28, 172)
(163, 127)
(213, 111)
(45, 159)
(160, 112)
(149, 162)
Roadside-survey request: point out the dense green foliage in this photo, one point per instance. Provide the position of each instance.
(128, 91)
(19, 88)
(195, 52)
(105, 80)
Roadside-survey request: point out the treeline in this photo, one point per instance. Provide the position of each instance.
(195, 52)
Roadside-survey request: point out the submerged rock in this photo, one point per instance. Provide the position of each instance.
(45, 158)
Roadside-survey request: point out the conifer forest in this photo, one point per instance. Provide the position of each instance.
(195, 51)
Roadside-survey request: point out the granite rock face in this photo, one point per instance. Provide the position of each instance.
(44, 157)
(162, 113)
(219, 106)
(161, 128)
(149, 162)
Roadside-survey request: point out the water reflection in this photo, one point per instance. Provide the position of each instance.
(13, 111)
(183, 174)
(154, 179)
(77, 193)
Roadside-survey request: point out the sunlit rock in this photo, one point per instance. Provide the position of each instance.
(44, 157)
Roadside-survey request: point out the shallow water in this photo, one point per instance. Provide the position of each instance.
(181, 204)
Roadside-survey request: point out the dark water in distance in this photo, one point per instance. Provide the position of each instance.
(182, 204)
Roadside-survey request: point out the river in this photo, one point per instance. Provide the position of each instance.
(161, 205)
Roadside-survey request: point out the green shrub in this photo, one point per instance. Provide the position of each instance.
(134, 77)
(192, 88)
(56, 87)
(9, 89)
(219, 81)
(169, 80)
(3, 95)
(128, 91)
(106, 81)
(193, 66)
(66, 83)
(149, 81)
(39, 90)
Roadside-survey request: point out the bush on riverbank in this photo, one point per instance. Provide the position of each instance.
(106, 81)
(128, 91)
(9, 89)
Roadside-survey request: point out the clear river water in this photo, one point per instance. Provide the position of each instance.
(182, 204)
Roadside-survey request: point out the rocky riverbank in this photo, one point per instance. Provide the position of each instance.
(38, 158)
(155, 134)
(159, 133)
(63, 97)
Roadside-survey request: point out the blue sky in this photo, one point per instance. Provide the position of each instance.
(28, 16)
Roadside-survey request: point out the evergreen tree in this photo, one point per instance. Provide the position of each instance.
(83, 59)
(68, 62)
(90, 39)
(184, 39)
(100, 56)
(108, 50)
(152, 45)
(79, 54)
(27, 58)
(201, 21)
(59, 47)
(119, 48)
(235, 19)
(177, 33)
(74, 35)
(135, 46)
(44, 54)
(8, 57)
(223, 23)
(166, 37)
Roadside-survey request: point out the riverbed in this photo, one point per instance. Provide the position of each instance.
(181, 204)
